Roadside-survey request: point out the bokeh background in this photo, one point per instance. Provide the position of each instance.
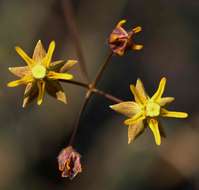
(31, 138)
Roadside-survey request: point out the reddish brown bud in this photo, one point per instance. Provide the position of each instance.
(69, 162)
(120, 40)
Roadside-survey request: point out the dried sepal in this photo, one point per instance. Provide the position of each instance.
(55, 89)
(134, 131)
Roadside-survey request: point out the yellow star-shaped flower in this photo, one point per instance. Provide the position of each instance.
(41, 74)
(146, 110)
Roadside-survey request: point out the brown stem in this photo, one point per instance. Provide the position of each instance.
(70, 21)
(101, 70)
(75, 128)
(93, 90)
(106, 95)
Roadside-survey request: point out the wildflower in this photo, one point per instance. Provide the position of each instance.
(69, 162)
(41, 74)
(146, 110)
(120, 40)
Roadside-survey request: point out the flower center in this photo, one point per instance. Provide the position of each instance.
(39, 71)
(152, 109)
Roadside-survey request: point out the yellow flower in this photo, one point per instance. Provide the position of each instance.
(41, 74)
(121, 40)
(146, 110)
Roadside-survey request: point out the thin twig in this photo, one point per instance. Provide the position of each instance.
(70, 21)
(93, 90)
(106, 95)
(76, 125)
(101, 70)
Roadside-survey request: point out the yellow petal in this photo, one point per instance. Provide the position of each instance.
(153, 125)
(122, 22)
(126, 108)
(23, 80)
(166, 113)
(137, 47)
(135, 119)
(57, 76)
(19, 71)
(39, 52)
(137, 29)
(24, 56)
(137, 95)
(41, 88)
(160, 90)
(140, 88)
(134, 131)
(68, 65)
(49, 54)
(166, 100)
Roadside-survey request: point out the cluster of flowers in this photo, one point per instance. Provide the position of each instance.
(42, 74)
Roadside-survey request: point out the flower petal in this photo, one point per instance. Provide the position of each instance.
(137, 47)
(126, 108)
(19, 71)
(68, 65)
(39, 52)
(49, 54)
(55, 90)
(31, 92)
(166, 100)
(134, 131)
(121, 23)
(160, 90)
(23, 80)
(135, 119)
(153, 125)
(41, 88)
(166, 113)
(137, 95)
(57, 76)
(24, 56)
(140, 88)
(137, 29)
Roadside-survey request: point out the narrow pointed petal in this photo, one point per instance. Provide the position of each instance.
(39, 52)
(140, 88)
(137, 95)
(57, 76)
(121, 23)
(137, 47)
(24, 56)
(153, 125)
(41, 88)
(134, 131)
(137, 29)
(68, 65)
(166, 113)
(55, 90)
(160, 90)
(135, 119)
(49, 54)
(19, 71)
(23, 80)
(166, 100)
(31, 92)
(126, 108)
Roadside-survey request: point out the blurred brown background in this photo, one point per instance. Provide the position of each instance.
(31, 138)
